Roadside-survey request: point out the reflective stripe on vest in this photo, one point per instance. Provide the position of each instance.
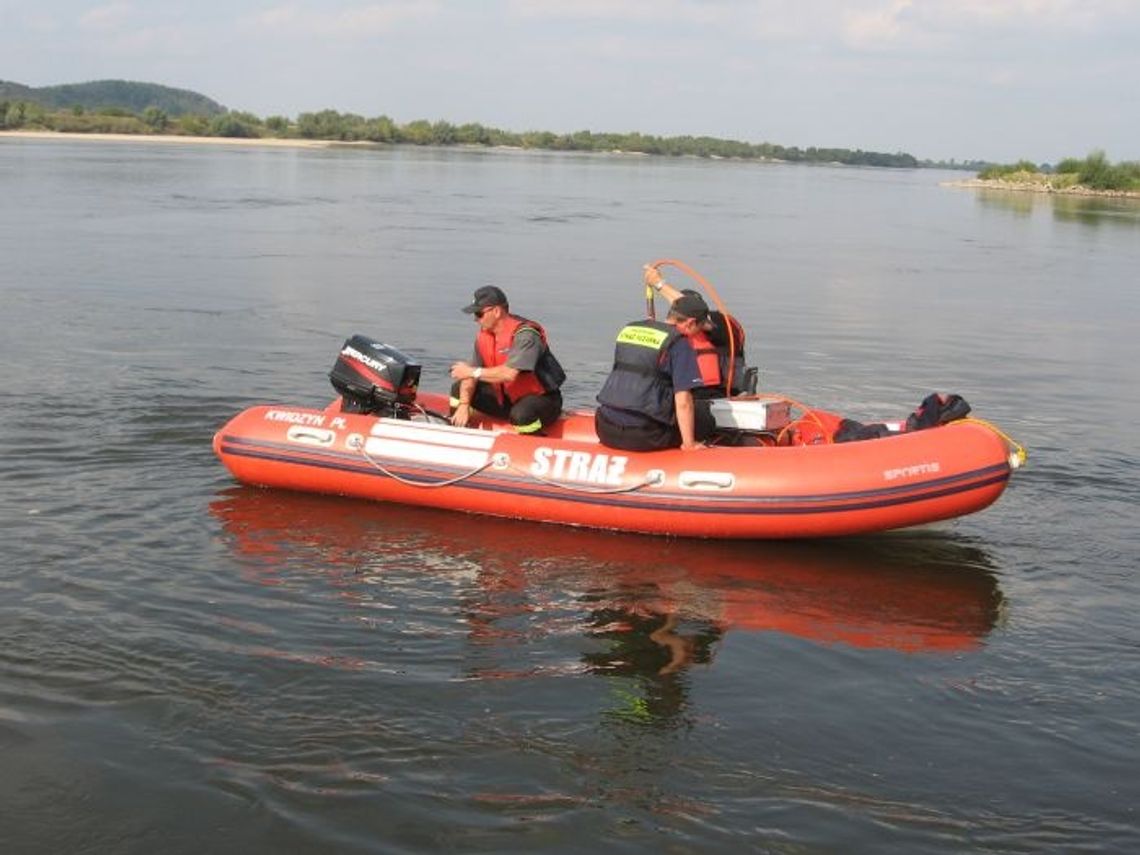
(640, 336)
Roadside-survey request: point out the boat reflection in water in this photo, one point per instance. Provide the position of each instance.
(643, 605)
(918, 592)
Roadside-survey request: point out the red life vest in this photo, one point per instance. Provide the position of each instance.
(708, 358)
(713, 360)
(494, 348)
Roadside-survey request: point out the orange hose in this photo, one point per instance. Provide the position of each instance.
(711, 291)
(807, 412)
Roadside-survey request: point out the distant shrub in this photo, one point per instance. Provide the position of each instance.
(277, 125)
(236, 125)
(155, 118)
(11, 114)
(381, 130)
(1006, 170)
(1094, 172)
(121, 112)
(192, 126)
(1130, 173)
(95, 123)
(1097, 173)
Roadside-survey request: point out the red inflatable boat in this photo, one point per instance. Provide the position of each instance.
(767, 475)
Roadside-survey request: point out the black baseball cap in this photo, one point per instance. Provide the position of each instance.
(486, 297)
(690, 305)
(706, 322)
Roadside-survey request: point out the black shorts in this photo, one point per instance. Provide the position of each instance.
(648, 435)
(528, 414)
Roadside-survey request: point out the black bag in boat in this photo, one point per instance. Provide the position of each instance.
(937, 410)
(934, 410)
(853, 431)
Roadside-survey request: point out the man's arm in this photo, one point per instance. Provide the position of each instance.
(465, 371)
(654, 280)
(525, 351)
(462, 414)
(686, 419)
(681, 365)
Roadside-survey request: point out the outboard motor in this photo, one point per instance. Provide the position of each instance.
(374, 379)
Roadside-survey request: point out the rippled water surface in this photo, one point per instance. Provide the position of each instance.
(187, 665)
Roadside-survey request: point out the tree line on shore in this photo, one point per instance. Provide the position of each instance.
(1095, 172)
(331, 125)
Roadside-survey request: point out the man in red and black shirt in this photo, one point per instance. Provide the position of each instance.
(512, 373)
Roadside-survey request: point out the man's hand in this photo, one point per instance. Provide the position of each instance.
(462, 415)
(652, 277)
(462, 371)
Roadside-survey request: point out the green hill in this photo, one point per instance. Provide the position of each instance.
(119, 94)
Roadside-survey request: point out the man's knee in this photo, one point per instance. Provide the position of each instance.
(535, 412)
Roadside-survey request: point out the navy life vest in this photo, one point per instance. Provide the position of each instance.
(637, 383)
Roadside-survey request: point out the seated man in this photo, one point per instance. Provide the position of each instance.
(647, 401)
(512, 373)
(719, 345)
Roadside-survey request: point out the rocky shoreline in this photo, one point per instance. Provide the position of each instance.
(1040, 187)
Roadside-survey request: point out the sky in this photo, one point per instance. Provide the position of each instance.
(997, 80)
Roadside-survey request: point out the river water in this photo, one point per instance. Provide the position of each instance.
(187, 665)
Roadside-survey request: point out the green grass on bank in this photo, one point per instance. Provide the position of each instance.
(1094, 172)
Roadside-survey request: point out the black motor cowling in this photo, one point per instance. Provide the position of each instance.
(374, 378)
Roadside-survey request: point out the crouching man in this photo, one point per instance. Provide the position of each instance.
(512, 373)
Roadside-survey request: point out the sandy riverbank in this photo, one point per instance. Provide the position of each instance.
(269, 141)
(168, 138)
(1039, 187)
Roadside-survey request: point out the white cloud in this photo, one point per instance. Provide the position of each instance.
(876, 26)
(166, 41)
(109, 17)
(38, 23)
(922, 24)
(866, 25)
(1026, 15)
(644, 11)
(354, 21)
